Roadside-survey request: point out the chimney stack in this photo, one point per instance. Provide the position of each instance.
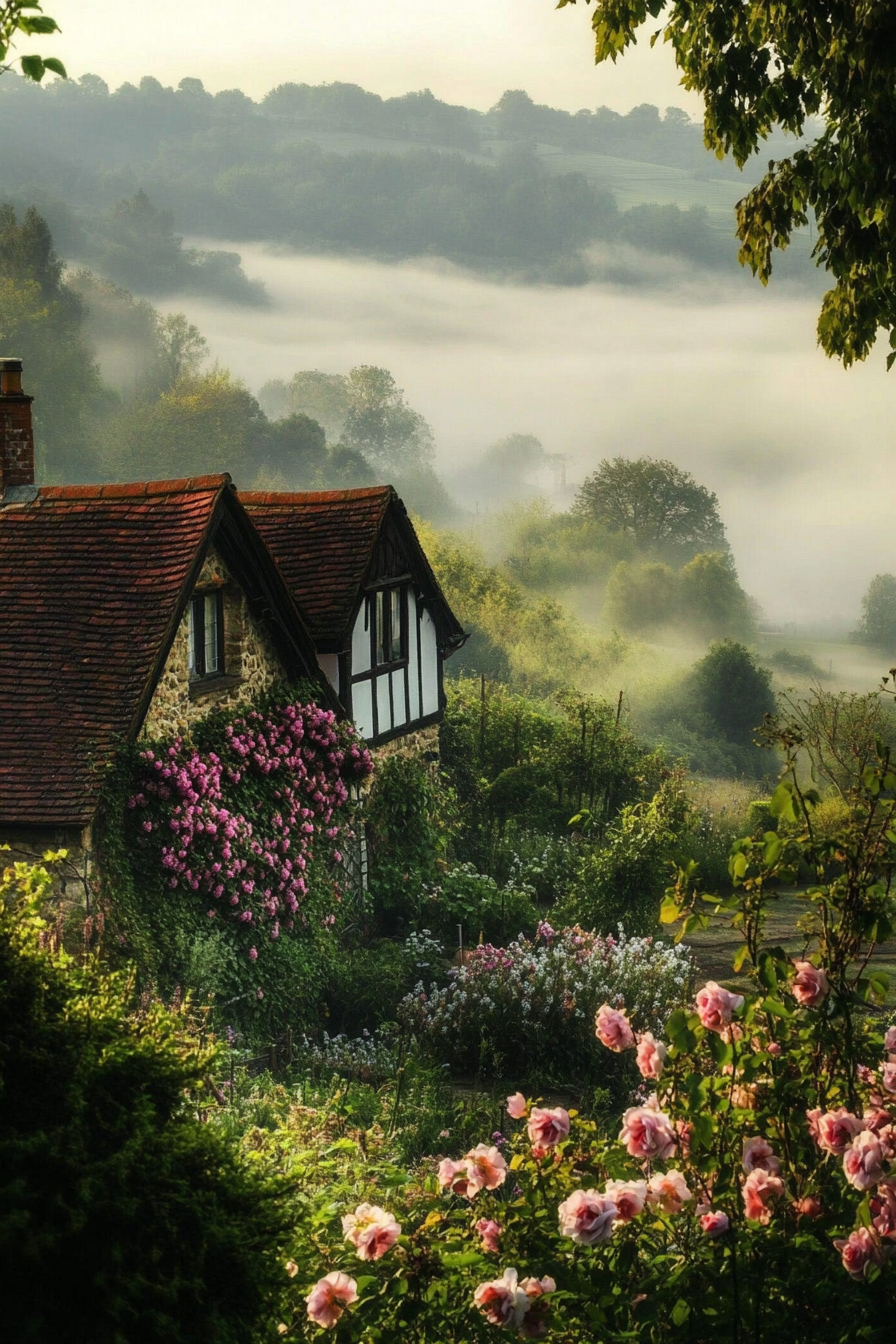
(16, 433)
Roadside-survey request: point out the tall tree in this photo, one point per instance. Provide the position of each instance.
(878, 623)
(762, 67)
(381, 425)
(659, 506)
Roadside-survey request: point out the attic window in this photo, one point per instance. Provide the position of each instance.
(207, 634)
(389, 626)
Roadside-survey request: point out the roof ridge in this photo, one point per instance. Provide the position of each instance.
(286, 497)
(135, 489)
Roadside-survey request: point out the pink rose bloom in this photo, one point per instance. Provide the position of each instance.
(890, 1040)
(810, 984)
(587, 1217)
(517, 1106)
(760, 1189)
(613, 1030)
(758, 1153)
(490, 1232)
(834, 1131)
(647, 1133)
(371, 1231)
(859, 1251)
(863, 1160)
(486, 1169)
(715, 1223)
(883, 1209)
(503, 1302)
(668, 1190)
(534, 1325)
(329, 1297)
(453, 1176)
(888, 1076)
(629, 1198)
(774, 1048)
(809, 1207)
(715, 1006)
(547, 1127)
(652, 1055)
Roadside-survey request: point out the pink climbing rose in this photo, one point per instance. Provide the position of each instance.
(371, 1231)
(716, 1005)
(758, 1153)
(503, 1301)
(863, 1160)
(490, 1232)
(517, 1106)
(587, 1217)
(715, 1223)
(329, 1297)
(613, 1030)
(652, 1056)
(668, 1190)
(629, 1198)
(647, 1133)
(859, 1251)
(760, 1188)
(810, 984)
(486, 1168)
(547, 1126)
(834, 1131)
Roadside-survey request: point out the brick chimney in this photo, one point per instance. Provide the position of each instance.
(16, 433)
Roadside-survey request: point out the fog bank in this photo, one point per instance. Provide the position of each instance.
(722, 378)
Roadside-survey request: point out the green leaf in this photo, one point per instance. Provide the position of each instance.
(33, 68)
(56, 66)
(680, 1312)
(740, 957)
(670, 910)
(679, 1031)
(781, 802)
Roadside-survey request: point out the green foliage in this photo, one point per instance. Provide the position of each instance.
(788, 65)
(561, 550)
(878, 623)
(703, 597)
(621, 879)
(146, 1222)
(733, 690)
(42, 319)
(801, 664)
(659, 507)
(484, 911)
(381, 425)
(407, 836)
(24, 17)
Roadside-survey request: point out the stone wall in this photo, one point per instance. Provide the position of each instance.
(251, 664)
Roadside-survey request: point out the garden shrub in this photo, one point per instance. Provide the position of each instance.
(407, 837)
(526, 1011)
(477, 904)
(751, 1193)
(366, 983)
(621, 878)
(122, 1216)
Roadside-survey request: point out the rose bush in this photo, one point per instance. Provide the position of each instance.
(750, 1197)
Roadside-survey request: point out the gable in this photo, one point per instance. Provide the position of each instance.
(251, 663)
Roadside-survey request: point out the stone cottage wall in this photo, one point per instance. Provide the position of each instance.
(250, 661)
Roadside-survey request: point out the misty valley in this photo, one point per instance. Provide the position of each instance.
(446, 712)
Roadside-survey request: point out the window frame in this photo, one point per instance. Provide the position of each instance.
(198, 669)
(380, 611)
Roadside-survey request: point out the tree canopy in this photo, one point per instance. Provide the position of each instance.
(760, 67)
(659, 506)
(878, 623)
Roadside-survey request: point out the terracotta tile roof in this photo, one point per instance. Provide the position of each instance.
(91, 578)
(323, 542)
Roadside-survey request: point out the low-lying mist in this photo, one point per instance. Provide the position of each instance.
(722, 378)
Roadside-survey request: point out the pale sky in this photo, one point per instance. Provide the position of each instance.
(468, 51)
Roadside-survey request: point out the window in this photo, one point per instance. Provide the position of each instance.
(389, 635)
(207, 635)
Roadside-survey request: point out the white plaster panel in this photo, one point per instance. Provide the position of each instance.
(429, 664)
(362, 708)
(382, 705)
(360, 643)
(400, 715)
(329, 663)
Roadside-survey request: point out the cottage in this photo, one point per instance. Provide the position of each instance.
(126, 609)
(380, 622)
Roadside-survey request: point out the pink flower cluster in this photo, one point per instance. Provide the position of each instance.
(613, 1029)
(515, 1304)
(483, 1168)
(292, 765)
(589, 1217)
(371, 1231)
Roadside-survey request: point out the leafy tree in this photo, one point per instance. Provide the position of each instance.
(15, 18)
(122, 1216)
(731, 687)
(656, 504)
(182, 349)
(711, 598)
(761, 67)
(381, 425)
(296, 446)
(878, 623)
(42, 320)
(323, 396)
(641, 597)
